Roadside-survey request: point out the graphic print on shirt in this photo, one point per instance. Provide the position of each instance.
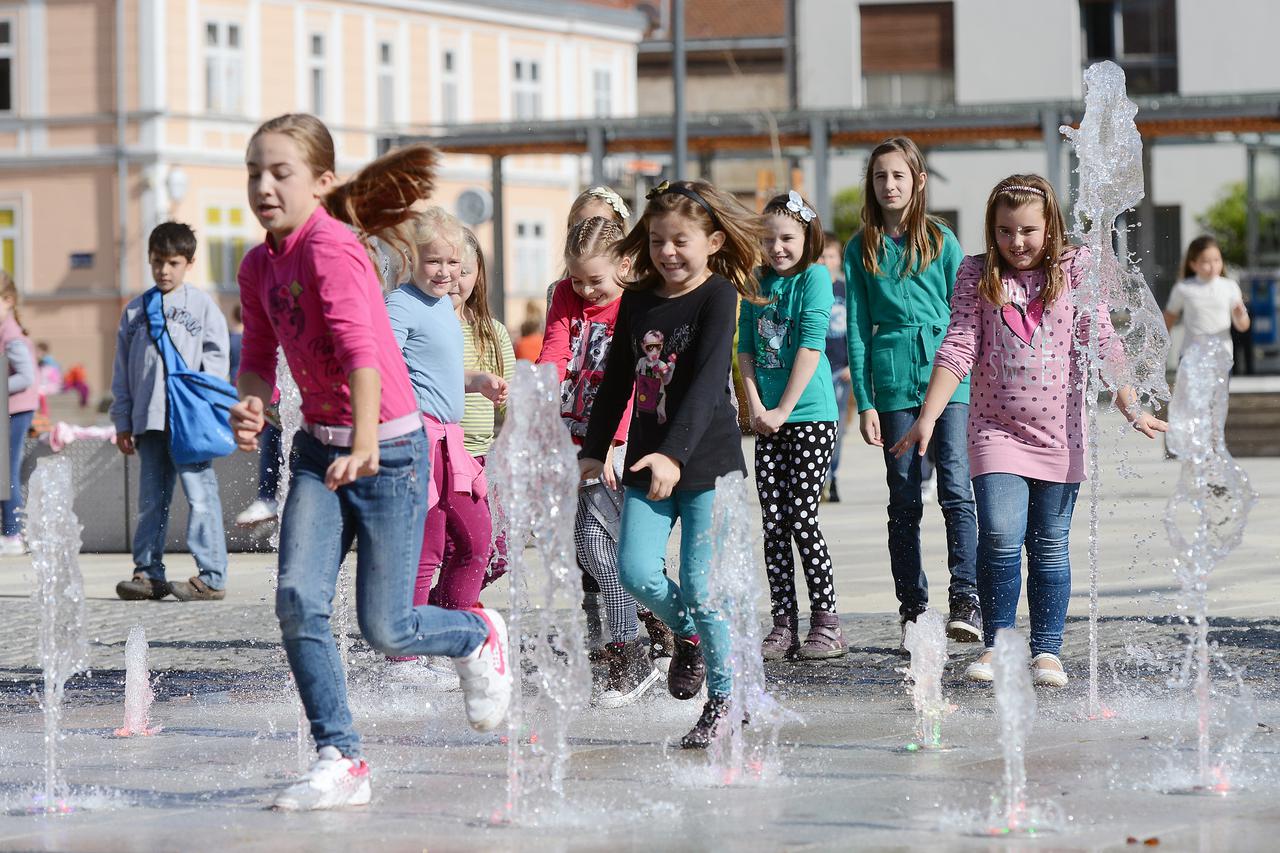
(1022, 344)
(653, 374)
(285, 305)
(589, 350)
(771, 331)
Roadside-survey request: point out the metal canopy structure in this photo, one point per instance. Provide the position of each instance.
(819, 133)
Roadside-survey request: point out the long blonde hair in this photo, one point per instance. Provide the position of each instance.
(9, 291)
(482, 322)
(1014, 192)
(923, 242)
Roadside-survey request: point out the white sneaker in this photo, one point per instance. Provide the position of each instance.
(332, 782)
(981, 670)
(256, 513)
(12, 546)
(486, 675)
(1051, 675)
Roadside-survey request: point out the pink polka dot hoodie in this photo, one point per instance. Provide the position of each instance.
(1026, 412)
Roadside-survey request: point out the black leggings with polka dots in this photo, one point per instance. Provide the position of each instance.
(791, 465)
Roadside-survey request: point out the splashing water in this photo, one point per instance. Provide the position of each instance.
(533, 470)
(138, 694)
(740, 753)
(926, 640)
(53, 532)
(290, 409)
(342, 615)
(1109, 149)
(302, 735)
(1205, 519)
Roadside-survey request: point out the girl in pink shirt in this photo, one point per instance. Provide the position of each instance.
(359, 468)
(1017, 323)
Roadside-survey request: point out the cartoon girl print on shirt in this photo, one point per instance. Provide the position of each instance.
(771, 332)
(653, 374)
(589, 350)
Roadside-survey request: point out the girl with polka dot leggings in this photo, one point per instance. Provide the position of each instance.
(782, 353)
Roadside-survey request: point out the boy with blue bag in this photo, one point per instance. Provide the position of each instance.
(170, 407)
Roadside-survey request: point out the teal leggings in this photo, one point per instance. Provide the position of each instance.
(646, 527)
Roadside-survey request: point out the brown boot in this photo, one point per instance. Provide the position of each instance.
(784, 640)
(825, 639)
(196, 590)
(142, 588)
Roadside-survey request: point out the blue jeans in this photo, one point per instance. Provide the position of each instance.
(19, 423)
(951, 455)
(205, 536)
(1014, 511)
(844, 391)
(642, 548)
(386, 513)
(269, 462)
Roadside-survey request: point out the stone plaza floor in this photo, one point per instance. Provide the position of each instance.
(843, 779)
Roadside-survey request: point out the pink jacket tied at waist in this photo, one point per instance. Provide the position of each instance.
(467, 474)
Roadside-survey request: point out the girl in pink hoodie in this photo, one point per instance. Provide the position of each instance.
(1018, 325)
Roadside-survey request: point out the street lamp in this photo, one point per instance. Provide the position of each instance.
(175, 185)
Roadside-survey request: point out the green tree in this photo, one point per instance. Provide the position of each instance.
(1225, 220)
(846, 211)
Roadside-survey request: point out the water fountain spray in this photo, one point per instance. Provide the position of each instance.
(53, 532)
(290, 410)
(1205, 519)
(138, 694)
(740, 753)
(926, 640)
(533, 471)
(1109, 149)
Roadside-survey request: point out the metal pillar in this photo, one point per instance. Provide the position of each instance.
(1050, 121)
(1147, 216)
(5, 437)
(1251, 237)
(497, 264)
(595, 147)
(821, 151)
(680, 147)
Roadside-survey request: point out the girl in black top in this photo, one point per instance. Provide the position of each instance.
(693, 253)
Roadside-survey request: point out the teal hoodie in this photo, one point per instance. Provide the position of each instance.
(896, 322)
(797, 315)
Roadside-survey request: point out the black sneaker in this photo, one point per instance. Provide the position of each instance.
(964, 625)
(631, 674)
(715, 715)
(662, 643)
(833, 493)
(688, 670)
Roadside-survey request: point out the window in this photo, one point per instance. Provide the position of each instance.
(1167, 254)
(601, 93)
(8, 65)
(386, 85)
(10, 218)
(223, 59)
(449, 88)
(226, 239)
(531, 258)
(1138, 35)
(316, 73)
(526, 90)
(908, 54)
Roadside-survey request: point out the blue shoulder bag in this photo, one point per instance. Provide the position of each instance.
(198, 406)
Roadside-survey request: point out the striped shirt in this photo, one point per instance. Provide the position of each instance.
(478, 419)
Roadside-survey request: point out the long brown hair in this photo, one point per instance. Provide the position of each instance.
(482, 323)
(1014, 192)
(742, 230)
(377, 200)
(9, 291)
(923, 232)
(1195, 250)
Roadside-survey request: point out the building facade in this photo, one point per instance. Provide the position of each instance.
(115, 116)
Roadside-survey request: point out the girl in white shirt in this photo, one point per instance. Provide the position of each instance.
(1206, 303)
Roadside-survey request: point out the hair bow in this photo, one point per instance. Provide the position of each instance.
(612, 199)
(796, 205)
(661, 188)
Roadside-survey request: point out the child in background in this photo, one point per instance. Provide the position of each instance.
(359, 462)
(486, 347)
(837, 355)
(1207, 304)
(693, 253)
(901, 270)
(24, 399)
(781, 352)
(580, 328)
(427, 330)
(1015, 325)
(138, 411)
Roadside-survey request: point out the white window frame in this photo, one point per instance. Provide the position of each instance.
(224, 67)
(601, 97)
(318, 72)
(532, 249)
(15, 232)
(221, 238)
(385, 76)
(450, 86)
(9, 51)
(526, 88)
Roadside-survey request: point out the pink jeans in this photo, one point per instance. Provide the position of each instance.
(459, 525)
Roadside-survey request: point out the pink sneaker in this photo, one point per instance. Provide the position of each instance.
(486, 676)
(332, 782)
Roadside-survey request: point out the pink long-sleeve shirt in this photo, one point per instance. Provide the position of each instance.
(317, 296)
(577, 341)
(1026, 411)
